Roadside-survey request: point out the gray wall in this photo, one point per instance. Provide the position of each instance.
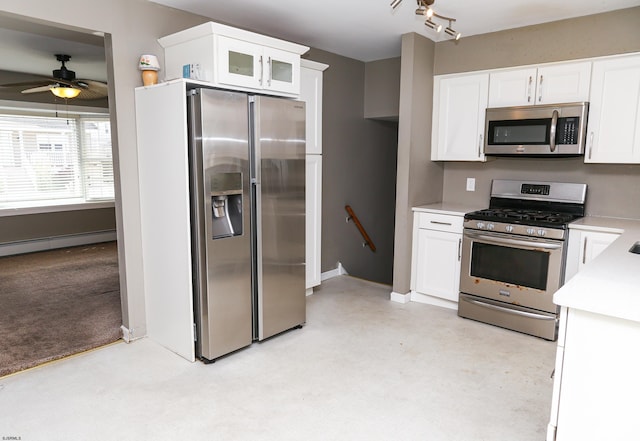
(594, 35)
(359, 166)
(419, 180)
(46, 225)
(382, 89)
(613, 190)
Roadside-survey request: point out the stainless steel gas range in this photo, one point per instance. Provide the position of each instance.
(513, 254)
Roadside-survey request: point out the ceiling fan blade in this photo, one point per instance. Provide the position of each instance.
(38, 89)
(93, 89)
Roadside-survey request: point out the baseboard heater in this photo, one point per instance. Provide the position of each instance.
(50, 243)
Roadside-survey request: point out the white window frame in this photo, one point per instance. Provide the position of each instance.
(78, 113)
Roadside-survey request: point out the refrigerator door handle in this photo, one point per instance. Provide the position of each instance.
(256, 154)
(258, 259)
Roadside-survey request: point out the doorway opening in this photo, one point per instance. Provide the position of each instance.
(60, 275)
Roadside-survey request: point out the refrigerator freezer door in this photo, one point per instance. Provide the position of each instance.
(279, 145)
(219, 150)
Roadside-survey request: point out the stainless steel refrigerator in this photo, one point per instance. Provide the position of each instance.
(247, 183)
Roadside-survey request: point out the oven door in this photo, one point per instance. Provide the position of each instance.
(517, 270)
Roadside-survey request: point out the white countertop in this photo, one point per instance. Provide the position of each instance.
(447, 208)
(610, 283)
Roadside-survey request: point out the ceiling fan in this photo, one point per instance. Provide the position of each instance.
(64, 84)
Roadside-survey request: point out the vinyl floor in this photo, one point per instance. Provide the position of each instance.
(362, 368)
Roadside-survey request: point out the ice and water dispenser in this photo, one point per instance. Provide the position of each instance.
(226, 205)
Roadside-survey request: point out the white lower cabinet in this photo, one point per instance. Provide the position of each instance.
(437, 245)
(584, 246)
(596, 381)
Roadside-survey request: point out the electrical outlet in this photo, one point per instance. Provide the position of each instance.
(471, 184)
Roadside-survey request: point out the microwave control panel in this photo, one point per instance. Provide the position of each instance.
(567, 130)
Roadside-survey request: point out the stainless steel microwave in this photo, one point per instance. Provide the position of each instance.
(548, 130)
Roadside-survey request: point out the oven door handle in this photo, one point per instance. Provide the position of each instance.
(508, 241)
(509, 310)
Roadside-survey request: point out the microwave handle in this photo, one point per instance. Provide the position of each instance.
(552, 131)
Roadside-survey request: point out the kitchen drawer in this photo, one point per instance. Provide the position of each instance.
(439, 222)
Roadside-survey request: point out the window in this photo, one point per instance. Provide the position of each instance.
(45, 159)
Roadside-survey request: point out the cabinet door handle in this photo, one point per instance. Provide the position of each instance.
(529, 89)
(459, 249)
(590, 144)
(540, 88)
(480, 145)
(261, 70)
(584, 251)
(440, 223)
(270, 73)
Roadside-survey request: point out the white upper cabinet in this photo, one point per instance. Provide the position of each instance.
(613, 133)
(311, 74)
(239, 63)
(459, 105)
(512, 87)
(234, 59)
(549, 84)
(257, 67)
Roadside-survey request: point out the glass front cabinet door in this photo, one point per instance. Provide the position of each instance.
(250, 65)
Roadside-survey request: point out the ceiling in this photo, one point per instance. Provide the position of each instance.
(370, 30)
(28, 54)
(365, 30)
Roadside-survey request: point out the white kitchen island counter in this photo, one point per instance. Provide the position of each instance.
(610, 284)
(596, 384)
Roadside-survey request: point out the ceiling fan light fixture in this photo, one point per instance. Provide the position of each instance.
(65, 92)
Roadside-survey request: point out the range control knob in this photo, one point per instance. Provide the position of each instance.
(508, 228)
(480, 225)
(531, 231)
(542, 232)
(490, 226)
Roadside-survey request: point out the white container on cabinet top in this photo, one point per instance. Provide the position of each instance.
(234, 59)
(548, 84)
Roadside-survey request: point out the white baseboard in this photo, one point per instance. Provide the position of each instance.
(50, 243)
(430, 300)
(400, 298)
(129, 335)
(339, 271)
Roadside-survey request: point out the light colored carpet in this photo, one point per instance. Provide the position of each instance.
(362, 368)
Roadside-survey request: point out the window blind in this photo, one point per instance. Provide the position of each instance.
(45, 158)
